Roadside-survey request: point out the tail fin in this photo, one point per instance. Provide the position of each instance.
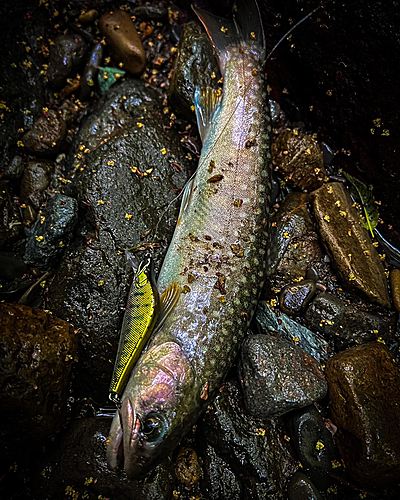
(245, 28)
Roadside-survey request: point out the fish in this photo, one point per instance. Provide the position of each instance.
(218, 255)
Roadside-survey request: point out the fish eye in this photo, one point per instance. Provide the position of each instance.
(153, 427)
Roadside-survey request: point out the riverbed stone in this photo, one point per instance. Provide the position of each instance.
(36, 179)
(348, 244)
(123, 40)
(394, 278)
(294, 298)
(301, 488)
(364, 400)
(38, 351)
(66, 56)
(14, 169)
(47, 134)
(9, 216)
(187, 467)
(298, 157)
(347, 324)
(89, 75)
(278, 376)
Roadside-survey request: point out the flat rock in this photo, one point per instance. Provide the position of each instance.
(278, 376)
(364, 394)
(348, 244)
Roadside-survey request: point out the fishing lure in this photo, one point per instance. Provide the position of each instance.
(145, 310)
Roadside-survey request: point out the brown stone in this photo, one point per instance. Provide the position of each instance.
(299, 159)
(47, 134)
(123, 40)
(187, 467)
(348, 244)
(394, 278)
(35, 181)
(364, 394)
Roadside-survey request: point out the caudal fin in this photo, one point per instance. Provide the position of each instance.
(245, 27)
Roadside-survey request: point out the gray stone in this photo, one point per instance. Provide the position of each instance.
(301, 488)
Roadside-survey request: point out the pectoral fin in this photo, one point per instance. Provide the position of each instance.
(207, 103)
(168, 301)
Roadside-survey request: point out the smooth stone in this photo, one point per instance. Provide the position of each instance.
(36, 180)
(38, 351)
(194, 64)
(89, 75)
(291, 331)
(314, 445)
(348, 244)
(9, 217)
(88, 17)
(51, 232)
(47, 134)
(14, 170)
(346, 324)
(294, 298)
(123, 40)
(66, 56)
(151, 12)
(298, 157)
(394, 279)
(278, 376)
(364, 396)
(301, 488)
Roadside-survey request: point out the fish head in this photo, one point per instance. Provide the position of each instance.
(154, 407)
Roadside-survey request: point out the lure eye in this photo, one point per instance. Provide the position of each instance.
(153, 428)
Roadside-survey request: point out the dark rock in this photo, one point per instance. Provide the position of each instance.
(294, 298)
(394, 278)
(89, 76)
(151, 12)
(36, 180)
(11, 266)
(47, 135)
(51, 232)
(123, 40)
(194, 66)
(314, 445)
(290, 330)
(71, 88)
(348, 244)
(66, 56)
(9, 217)
(187, 467)
(301, 488)
(347, 324)
(278, 376)
(14, 169)
(253, 449)
(364, 395)
(38, 350)
(294, 242)
(299, 159)
(123, 183)
(75, 466)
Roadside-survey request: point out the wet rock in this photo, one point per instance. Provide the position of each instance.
(51, 232)
(88, 17)
(151, 12)
(347, 324)
(123, 183)
(348, 244)
(294, 298)
(11, 266)
(290, 330)
(14, 169)
(299, 159)
(194, 66)
(36, 180)
(278, 376)
(89, 76)
(47, 134)
(314, 445)
(187, 467)
(66, 56)
(75, 466)
(301, 488)
(254, 450)
(364, 395)
(394, 278)
(123, 40)
(71, 88)
(38, 350)
(9, 217)
(294, 242)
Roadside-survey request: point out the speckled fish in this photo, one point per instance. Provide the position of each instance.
(218, 256)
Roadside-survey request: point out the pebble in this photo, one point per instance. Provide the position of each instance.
(52, 231)
(123, 41)
(14, 170)
(187, 467)
(314, 445)
(278, 376)
(394, 278)
(348, 244)
(151, 12)
(66, 56)
(35, 181)
(364, 400)
(294, 298)
(89, 75)
(345, 323)
(298, 157)
(71, 88)
(38, 351)
(9, 217)
(47, 134)
(301, 488)
(88, 17)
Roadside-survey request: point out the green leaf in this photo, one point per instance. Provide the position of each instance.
(107, 77)
(363, 195)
